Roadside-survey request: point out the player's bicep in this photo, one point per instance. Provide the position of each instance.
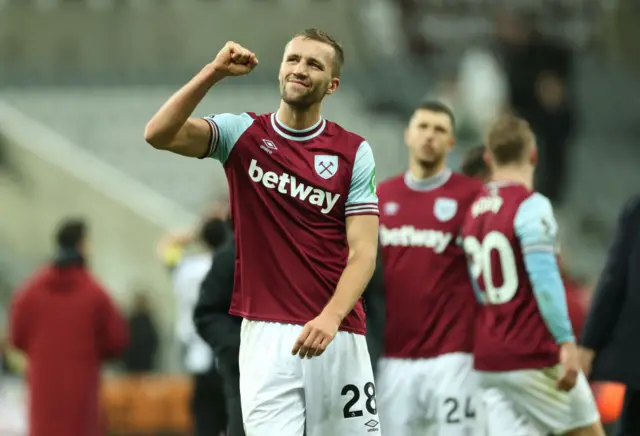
(362, 198)
(224, 131)
(535, 225)
(192, 140)
(362, 236)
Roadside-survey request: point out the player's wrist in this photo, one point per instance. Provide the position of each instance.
(568, 343)
(334, 313)
(211, 74)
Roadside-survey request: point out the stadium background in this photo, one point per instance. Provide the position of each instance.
(80, 78)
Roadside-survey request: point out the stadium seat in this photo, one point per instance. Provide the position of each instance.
(116, 399)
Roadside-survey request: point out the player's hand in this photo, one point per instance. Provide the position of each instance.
(316, 335)
(570, 366)
(586, 356)
(233, 60)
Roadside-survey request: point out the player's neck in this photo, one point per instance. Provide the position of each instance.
(298, 119)
(422, 172)
(513, 174)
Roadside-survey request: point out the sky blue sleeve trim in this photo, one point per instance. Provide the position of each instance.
(536, 226)
(362, 198)
(226, 129)
(549, 292)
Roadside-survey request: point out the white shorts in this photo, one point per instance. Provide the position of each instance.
(527, 402)
(433, 396)
(282, 395)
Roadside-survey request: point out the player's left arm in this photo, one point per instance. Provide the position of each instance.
(361, 215)
(537, 230)
(536, 227)
(362, 236)
(361, 212)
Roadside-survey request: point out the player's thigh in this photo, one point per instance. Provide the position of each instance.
(271, 380)
(501, 417)
(455, 394)
(535, 392)
(340, 390)
(399, 407)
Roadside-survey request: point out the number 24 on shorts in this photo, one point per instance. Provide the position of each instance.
(453, 415)
(349, 410)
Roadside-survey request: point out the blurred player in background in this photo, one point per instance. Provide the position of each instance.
(305, 216)
(525, 351)
(474, 164)
(426, 380)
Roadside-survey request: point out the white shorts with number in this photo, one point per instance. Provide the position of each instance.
(433, 396)
(333, 394)
(527, 403)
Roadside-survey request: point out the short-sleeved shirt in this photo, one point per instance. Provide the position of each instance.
(505, 222)
(291, 192)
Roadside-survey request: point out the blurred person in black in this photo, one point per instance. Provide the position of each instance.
(67, 325)
(610, 336)
(188, 271)
(475, 165)
(540, 81)
(141, 354)
(221, 330)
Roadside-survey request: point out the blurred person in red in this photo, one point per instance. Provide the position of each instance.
(474, 164)
(67, 325)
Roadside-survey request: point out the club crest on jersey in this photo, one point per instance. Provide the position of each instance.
(445, 208)
(326, 166)
(391, 208)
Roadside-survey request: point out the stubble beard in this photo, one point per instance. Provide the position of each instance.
(302, 101)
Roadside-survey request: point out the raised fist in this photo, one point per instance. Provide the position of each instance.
(234, 60)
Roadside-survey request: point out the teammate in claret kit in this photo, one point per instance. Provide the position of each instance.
(525, 353)
(426, 380)
(305, 214)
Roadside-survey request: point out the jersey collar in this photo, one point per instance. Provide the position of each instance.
(297, 135)
(429, 183)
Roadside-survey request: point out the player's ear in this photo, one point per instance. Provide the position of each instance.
(406, 136)
(333, 85)
(486, 157)
(534, 156)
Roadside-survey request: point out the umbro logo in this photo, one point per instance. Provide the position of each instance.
(268, 146)
(372, 424)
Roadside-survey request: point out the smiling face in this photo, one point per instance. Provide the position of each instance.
(307, 72)
(429, 137)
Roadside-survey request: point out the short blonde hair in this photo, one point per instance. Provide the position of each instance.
(509, 140)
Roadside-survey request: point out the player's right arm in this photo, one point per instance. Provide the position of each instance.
(536, 227)
(172, 129)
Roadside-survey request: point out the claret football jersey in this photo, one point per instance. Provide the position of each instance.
(291, 192)
(505, 222)
(430, 302)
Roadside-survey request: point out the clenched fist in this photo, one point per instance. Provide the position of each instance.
(233, 60)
